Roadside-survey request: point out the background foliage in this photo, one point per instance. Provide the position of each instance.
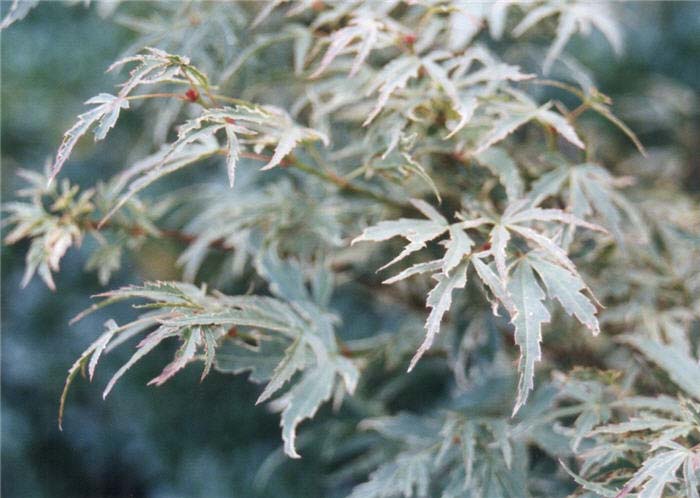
(208, 439)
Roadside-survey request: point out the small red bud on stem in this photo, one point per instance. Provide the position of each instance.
(192, 95)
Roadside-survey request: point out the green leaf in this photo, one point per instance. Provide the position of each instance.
(683, 370)
(209, 337)
(104, 115)
(566, 288)
(458, 246)
(646, 423)
(417, 232)
(295, 359)
(183, 356)
(92, 352)
(504, 126)
(502, 165)
(658, 472)
(315, 388)
(232, 153)
(573, 17)
(440, 300)
(363, 27)
(562, 126)
(286, 144)
(100, 345)
(495, 284)
(691, 478)
(285, 276)
(392, 77)
(588, 485)
(531, 314)
(416, 269)
(406, 476)
(144, 347)
(499, 238)
(236, 357)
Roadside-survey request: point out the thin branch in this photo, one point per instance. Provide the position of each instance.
(342, 183)
(345, 185)
(558, 84)
(139, 231)
(155, 96)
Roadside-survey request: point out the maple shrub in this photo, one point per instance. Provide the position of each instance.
(441, 165)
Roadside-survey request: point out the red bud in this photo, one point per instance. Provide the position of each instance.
(410, 39)
(192, 95)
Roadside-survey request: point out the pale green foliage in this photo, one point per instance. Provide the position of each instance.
(155, 66)
(240, 219)
(204, 322)
(519, 293)
(572, 17)
(197, 140)
(674, 358)
(663, 428)
(465, 450)
(57, 217)
(52, 232)
(376, 120)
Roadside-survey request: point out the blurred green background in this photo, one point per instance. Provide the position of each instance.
(187, 439)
